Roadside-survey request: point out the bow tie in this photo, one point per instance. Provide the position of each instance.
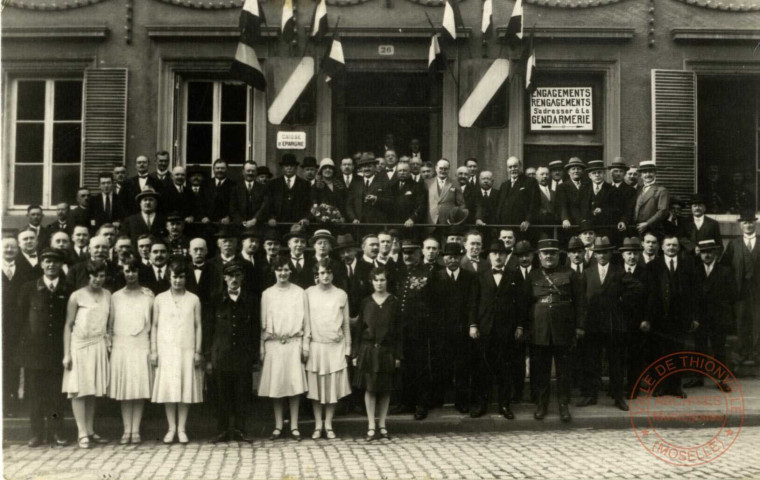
(234, 292)
(32, 255)
(197, 267)
(498, 271)
(143, 176)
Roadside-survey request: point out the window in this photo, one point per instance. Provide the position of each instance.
(216, 123)
(46, 136)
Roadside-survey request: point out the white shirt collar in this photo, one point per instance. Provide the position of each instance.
(603, 268)
(669, 259)
(368, 260)
(750, 237)
(50, 283)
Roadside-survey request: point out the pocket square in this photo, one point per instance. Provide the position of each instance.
(522, 188)
(408, 193)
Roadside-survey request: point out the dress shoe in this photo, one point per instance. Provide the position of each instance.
(540, 412)
(220, 438)
(34, 442)
(240, 436)
(621, 404)
(724, 387)
(478, 411)
(506, 412)
(564, 413)
(57, 441)
(694, 382)
(462, 408)
(420, 414)
(586, 401)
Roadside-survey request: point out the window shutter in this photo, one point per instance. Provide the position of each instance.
(674, 130)
(105, 121)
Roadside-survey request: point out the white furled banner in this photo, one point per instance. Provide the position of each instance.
(293, 88)
(483, 92)
(562, 109)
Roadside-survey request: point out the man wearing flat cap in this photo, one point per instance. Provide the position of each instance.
(652, 204)
(497, 321)
(147, 221)
(288, 195)
(42, 314)
(557, 307)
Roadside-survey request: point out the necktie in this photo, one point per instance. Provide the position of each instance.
(249, 186)
(366, 183)
(749, 244)
(497, 271)
(350, 272)
(218, 182)
(9, 271)
(525, 273)
(602, 275)
(51, 287)
(148, 221)
(672, 266)
(596, 189)
(108, 206)
(440, 187)
(401, 184)
(297, 263)
(346, 180)
(181, 189)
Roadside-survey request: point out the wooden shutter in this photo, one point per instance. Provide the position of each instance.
(105, 121)
(674, 130)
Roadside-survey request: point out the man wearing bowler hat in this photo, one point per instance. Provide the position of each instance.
(288, 195)
(557, 308)
(147, 220)
(717, 295)
(42, 314)
(309, 167)
(699, 227)
(263, 175)
(497, 321)
(652, 204)
(743, 254)
(604, 325)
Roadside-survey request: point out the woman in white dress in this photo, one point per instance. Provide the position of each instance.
(131, 372)
(176, 351)
(284, 318)
(329, 334)
(85, 359)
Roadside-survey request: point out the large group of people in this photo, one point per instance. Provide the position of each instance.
(381, 275)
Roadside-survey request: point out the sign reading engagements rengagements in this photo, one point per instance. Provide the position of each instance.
(291, 140)
(562, 109)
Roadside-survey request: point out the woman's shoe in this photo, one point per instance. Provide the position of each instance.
(84, 442)
(330, 434)
(169, 437)
(275, 434)
(384, 433)
(317, 434)
(98, 439)
(125, 439)
(296, 434)
(182, 437)
(370, 435)
(136, 440)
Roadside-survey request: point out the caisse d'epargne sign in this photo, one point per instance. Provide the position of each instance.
(562, 109)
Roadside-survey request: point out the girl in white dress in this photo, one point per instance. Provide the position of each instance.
(131, 372)
(85, 359)
(284, 317)
(330, 339)
(176, 351)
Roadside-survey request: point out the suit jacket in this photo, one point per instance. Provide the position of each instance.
(354, 286)
(81, 216)
(210, 285)
(288, 205)
(42, 316)
(200, 202)
(305, 277)
(409, 202)
(628, 200)
(673, 305)
(25, 270)
(56, 227)
(98, 210)
(691, 236)
(134, 226)
(174, 201)
(637, 305)
(471, 195)
(231, 333)
(568, 201)
(443, 205)
(604, 310)
(245, 205)
(498, 310)
(219, 199)
(467, 264)
(12, 324)
(734, 258)
(148, 279)
(486, 210)
(519, 203)
(365, 212)
(652, 206)
(76, 257)
(131, 188)
(608, 200)
(717, 295)
(547, 212)
(451, 301)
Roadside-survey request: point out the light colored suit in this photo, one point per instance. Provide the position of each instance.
(445, 205)
(651, 206)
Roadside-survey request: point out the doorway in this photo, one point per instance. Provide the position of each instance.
(368, 105)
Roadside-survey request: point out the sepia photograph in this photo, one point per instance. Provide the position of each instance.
(380, 239)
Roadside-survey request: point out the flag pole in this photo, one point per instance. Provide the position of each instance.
(453, 77)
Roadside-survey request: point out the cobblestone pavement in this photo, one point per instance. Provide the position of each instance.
(574, 454)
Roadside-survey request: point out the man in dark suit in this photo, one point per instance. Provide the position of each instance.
(518, 197)
(34, 216)
(231, 339)
(604, 325)
(61, 223)
(134, 185)
(78, 276)
(105, 207)
(486, 199)
(547, 211)
(302, 267)
(673, 308)
(288, 195)
(199, 194)
(557, 172)
(600, 202)
(80, 240)
(27, 263)
(497, 320)
(472, 260)
(525, 254)
(557, 305)
(451, 292)
(627, 193)
(220, 193)
(743, 255)
(11, 285)
(265, 268)
(717, 295)
(41, 312)
(408, 198)
(347, 174)
(81, 213)
(652, 204)
(368, 199)
(248, 204)
(205, 280)
(469, 193)
(156, 275)
(177, 197)
(569, 192)
(147, 220)
(698, 227)
(162, 173)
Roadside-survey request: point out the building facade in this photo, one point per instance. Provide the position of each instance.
(89, 84)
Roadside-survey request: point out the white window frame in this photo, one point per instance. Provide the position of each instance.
(47, 149)
(216, 118)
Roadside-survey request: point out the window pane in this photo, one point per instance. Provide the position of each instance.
(30, 100)
(67, 143)
(65, 183)
(233, 143)
(234, 103)
(200, 101)
(29, 142)
(68, 100)
(198, 144)
(27, 185)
